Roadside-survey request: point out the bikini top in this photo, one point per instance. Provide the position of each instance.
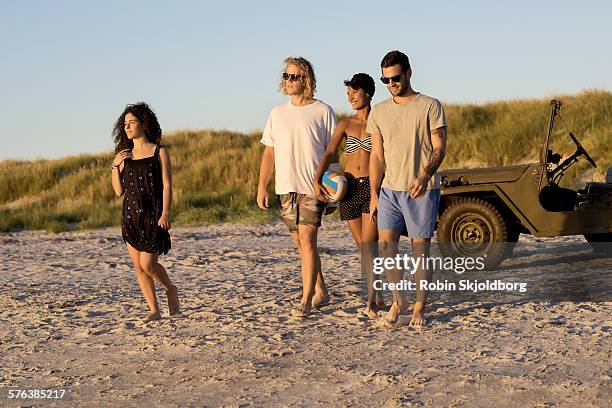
(353, 144)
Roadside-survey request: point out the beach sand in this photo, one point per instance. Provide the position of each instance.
(70, 309)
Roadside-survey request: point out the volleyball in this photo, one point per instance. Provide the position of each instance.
(334, 184)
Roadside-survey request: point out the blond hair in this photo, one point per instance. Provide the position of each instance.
(308, 76)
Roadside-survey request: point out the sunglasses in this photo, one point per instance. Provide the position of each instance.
(386, 80)
(291, 77)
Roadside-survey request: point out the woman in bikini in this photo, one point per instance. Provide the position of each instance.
(356, 202)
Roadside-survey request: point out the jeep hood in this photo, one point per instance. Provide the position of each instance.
(483, 175)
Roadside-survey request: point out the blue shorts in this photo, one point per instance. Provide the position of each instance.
(397, 209)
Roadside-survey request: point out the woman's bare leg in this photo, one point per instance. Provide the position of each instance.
(355, 227)
(369, 244)
(147, 286)
(365, 234)
(149, 264)
(156, 271)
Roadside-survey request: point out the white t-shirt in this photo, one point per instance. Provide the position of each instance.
(299, 135)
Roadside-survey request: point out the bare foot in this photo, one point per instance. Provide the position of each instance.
(302, 310)
(173, 301)
(371, 310)
(394, 312)
(151, 317)
(319, 300)
(418, 315)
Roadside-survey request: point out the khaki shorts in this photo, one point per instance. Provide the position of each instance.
(296, 209)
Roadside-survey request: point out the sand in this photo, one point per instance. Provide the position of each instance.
(70, 309)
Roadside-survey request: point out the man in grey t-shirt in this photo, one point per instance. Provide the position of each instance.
(408, 145)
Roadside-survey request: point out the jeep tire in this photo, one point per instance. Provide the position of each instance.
(473, 227)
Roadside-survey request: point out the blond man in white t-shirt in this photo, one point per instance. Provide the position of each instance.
(295, 138)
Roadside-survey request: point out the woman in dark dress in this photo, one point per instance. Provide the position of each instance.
(141, 170)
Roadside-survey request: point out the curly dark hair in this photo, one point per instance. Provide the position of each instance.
(146, 116)
(362, 81)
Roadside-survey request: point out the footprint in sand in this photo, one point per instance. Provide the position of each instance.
(96, 313)
(101, 331)
(127, 326)
(342, 313)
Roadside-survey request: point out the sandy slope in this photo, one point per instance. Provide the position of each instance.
(70, 309)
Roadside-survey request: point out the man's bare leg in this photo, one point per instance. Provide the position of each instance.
(295, 237)
(388, 240)
(311, 265)
(420, 247)
(320, 297)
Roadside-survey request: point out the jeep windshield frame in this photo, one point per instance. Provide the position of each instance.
(555, 108)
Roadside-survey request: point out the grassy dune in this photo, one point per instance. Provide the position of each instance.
(215, 172)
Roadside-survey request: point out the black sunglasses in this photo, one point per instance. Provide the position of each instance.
(291, 77)
(386, 80)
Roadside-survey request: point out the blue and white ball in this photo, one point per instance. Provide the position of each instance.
(334, 184)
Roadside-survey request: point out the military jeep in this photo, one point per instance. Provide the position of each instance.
(483, 211)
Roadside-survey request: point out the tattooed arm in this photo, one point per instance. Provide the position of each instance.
(438, 142)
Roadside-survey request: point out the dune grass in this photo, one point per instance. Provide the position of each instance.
(215, 172)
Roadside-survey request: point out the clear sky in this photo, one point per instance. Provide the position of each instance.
(68, 68)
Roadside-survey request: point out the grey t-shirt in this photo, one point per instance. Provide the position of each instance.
(406, 133)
